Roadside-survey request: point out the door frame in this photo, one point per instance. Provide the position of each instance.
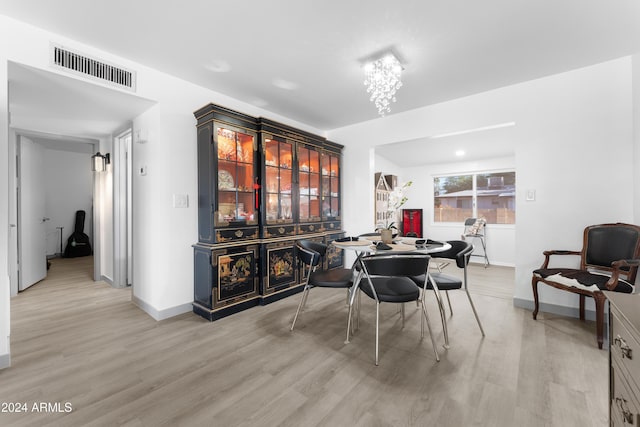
(122, 161)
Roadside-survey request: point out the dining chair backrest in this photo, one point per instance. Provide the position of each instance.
(407, 264)
(319, 247)
(307, 254)
(460, 252)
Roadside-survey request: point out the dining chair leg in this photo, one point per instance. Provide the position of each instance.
(377, 329)
(305, 296)
(358, 302)
(433, 341)
(402, 313)
(349, 314)
(475, 313)
(300, 304)
(352, 300)
(443, 316)
(449, 301)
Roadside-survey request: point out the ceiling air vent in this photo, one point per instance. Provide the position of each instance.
(89, 67)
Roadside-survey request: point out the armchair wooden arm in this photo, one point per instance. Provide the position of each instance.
(617, 268)
(547, 255)
(626, 263)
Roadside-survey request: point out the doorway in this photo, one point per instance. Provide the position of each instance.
(52, 181)
(57, 104)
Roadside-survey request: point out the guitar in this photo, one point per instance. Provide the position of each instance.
(78, 243)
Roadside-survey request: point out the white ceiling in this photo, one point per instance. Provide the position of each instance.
(303, 59)
(476, 144)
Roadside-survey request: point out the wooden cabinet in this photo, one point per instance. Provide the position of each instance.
(262, 185)
(301, 181)
(624, 359)
(227, 173)
(226, 279)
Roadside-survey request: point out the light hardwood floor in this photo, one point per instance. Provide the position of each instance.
(81, 342)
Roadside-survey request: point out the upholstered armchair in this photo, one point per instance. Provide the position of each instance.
(608, 262)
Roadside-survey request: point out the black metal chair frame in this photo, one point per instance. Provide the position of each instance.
(386, 267)
(311, 254)
(461, 258)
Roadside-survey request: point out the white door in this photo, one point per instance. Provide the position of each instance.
(31, 214)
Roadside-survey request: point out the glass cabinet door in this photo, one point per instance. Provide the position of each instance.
(236, 176)
(330, 186)
(309, 184)
(278, 160)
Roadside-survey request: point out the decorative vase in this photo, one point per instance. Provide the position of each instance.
(386, 236)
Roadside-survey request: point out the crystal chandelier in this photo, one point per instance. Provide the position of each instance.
(382, 79)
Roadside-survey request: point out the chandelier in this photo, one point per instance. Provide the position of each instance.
(382, 79)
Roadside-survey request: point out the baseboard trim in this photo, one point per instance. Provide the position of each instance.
(106, 280)
(161, 314)
(5, 361)
(559, 310)
(497, 263)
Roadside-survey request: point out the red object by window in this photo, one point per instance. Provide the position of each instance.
(412, 222)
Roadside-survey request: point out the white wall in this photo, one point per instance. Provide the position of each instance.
(573, 138)
(68, 188)
(5, 315)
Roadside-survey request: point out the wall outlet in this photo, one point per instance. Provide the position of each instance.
(180, 201)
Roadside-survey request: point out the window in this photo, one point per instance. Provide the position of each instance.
(491, 196)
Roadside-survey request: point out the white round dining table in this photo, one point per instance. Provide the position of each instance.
(367, 246)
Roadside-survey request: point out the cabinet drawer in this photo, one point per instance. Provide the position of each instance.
(333, 225)
(280, 230)
(625, 349)
(624, 406)
(226, 235)
(310, 228)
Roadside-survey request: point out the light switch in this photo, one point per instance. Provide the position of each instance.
(180, 201)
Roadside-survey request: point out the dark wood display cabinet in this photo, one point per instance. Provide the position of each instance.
(262, 186)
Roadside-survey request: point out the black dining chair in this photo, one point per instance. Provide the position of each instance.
(460, 252)
(311, 254)
(388, 278)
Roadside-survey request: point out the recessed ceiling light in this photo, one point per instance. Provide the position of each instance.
(285, 84)
(219, 66)
(258, 102)
(459, 153)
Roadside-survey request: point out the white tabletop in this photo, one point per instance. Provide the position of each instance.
(402, 244)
